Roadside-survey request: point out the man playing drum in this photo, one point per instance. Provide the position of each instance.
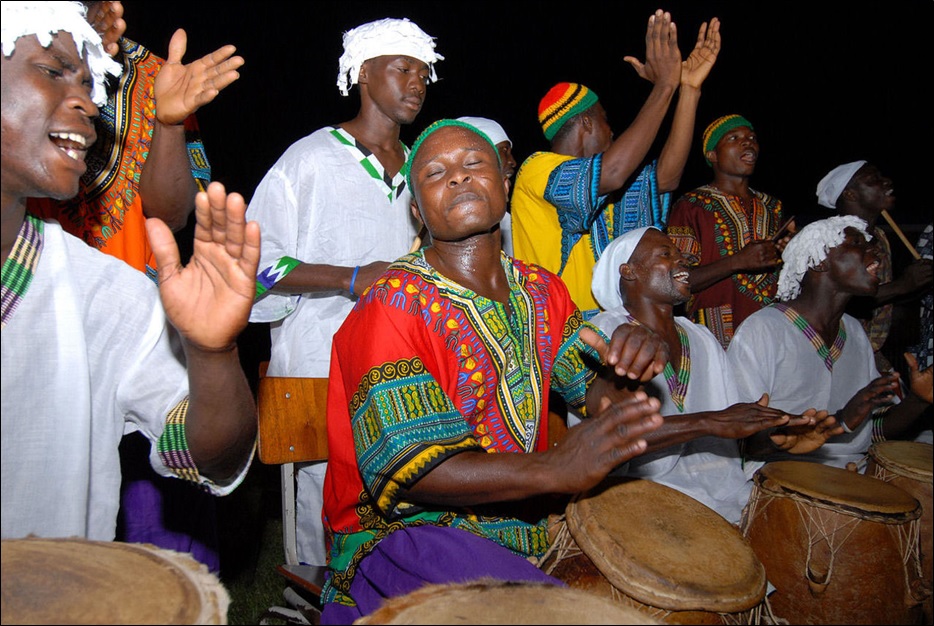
(640, 279)
(804, 351)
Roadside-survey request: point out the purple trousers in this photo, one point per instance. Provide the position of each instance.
(412, 557)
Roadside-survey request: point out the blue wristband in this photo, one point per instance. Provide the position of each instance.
(353, 279)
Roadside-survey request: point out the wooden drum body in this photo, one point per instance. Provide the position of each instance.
(75, 581)
(661, 551)
(839, 547)
(496, 602)
(908, 464)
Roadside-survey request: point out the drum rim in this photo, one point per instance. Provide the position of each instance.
(893, 464)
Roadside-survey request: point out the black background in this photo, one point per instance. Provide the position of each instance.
(822, 82)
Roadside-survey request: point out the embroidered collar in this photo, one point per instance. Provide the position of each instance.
(391, 186)
(677, 381)
(829, 355)
(20, 267)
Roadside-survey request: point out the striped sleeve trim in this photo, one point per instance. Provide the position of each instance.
(173, 445)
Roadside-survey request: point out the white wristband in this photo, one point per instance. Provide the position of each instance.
(846, 428)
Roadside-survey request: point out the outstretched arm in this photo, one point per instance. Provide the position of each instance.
(694, 71)
(209, 301)
(662, 68)
(167, 188)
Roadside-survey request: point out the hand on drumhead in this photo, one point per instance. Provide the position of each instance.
(597, 445)
(803, 438)
(634, 351)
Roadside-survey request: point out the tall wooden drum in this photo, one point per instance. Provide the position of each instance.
(839, 547)
(75, 581)
(496, 602)
(908, 464)
(656, 549)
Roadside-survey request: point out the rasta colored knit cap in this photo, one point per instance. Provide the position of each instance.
(561, 103)
(432, 128)
(718, 128)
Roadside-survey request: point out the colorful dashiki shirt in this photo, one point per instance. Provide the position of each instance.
(707, 225)
(423, 369)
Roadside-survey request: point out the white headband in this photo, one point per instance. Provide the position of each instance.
(809, 247)
(605, 281)
(832, 185)
(492, 129)
(44, 19)
(384, 37)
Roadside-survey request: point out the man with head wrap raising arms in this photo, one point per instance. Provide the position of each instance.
(806, 351)
(729, 232)
(335, 211)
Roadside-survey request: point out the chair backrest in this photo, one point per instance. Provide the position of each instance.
(292, 419)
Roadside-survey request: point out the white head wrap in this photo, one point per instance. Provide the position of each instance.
(492, 129)
(44, 19)
(379, 38)
(832, 185)
(605, 281)
(809, 247)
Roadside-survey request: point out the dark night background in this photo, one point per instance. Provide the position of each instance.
(823, 83)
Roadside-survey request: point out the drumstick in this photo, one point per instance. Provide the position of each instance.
(901, 235)
(417, 242)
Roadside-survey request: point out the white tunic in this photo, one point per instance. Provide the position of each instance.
(771, 355)
(709, 469)
(88, 356)
(319, 205)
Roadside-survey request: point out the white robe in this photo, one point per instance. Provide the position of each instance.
(709, 469)
(87, 356)
(771, 355)
(317, 204)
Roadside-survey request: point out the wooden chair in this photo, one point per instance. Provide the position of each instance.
(292, 433)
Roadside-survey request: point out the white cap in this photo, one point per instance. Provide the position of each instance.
(809, 247)
(832, 185)
(492, 129)
(44, 19)
(605, 282)
(384, 37)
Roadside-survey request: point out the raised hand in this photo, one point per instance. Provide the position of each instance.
(697, 66)
(107, 20)
(209, 300)
(921, 382)
(662, 56)
(877, 393)
(180, 90)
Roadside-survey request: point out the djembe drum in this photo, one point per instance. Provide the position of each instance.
(839, 547)
(76, 581)
(497, 602)
(660, 551)
(908, 464)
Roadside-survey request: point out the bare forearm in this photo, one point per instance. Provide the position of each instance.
(630, 148)
(166, 186)
(674, 155)
(221, 422)
(907, 418)
(703, 276)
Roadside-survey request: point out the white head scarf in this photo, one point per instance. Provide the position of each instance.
(379, 38)
(832, 185)
(492, 129)
(809, 247)
(44, 19)
(605, 281)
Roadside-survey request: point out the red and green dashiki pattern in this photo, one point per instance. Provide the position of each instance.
(108, 214)
(423, 369)
(707, 225)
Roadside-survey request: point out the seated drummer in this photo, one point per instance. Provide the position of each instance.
(438, 397)
(806, 351)
(640, 279)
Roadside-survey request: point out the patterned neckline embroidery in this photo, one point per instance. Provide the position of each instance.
(391, 186)
(677, 382)
(20, 267)
(829, 355)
